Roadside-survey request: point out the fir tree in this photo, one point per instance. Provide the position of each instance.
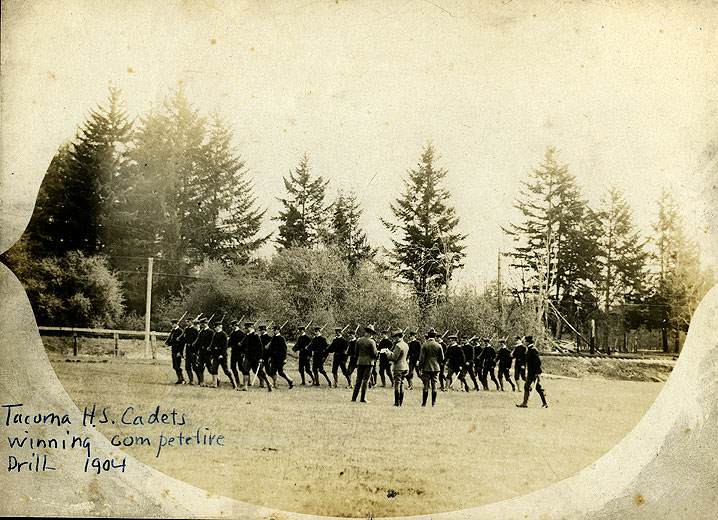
(346, 232)
(426, 246)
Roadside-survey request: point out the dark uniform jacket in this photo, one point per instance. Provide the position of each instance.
(204, 340)
(431, 356)
(219, 344)
(468, 349)
(339, 346)
(278, 350)
(318, 346)
(266, 340)
(455, 357)
(478, 350)
(253, 347)
(504, 357)
(533, 361)
(384, 343)
(302, 343)
(173, 340)
(236, 341)
(352, 350)
(366, 351)
(414, 350)
(190, 337)
(488, 356)
(519, 354)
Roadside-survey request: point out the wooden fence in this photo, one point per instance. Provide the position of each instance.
(113, 333)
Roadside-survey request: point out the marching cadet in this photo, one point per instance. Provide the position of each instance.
(220, 341)
(414, 350)
(174, 341)
(339, 347)
(503, 356)
(189, 339)
(265, 338)
(236, 343)
(455, 361)
(468, 349)
(533, 365)
(302, 348)
(253, 357)
(488, 362)
(204, 352)
(318, 347)
(442, 363)
(277, 357)
(385, 345)
(353, 356)
(366, 354)
(519, 355)
(430, 357)
(478, 349)
(397, 355)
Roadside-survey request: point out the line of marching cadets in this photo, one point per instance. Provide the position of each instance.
(257, 354)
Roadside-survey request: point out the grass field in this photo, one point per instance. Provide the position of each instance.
(311, 450)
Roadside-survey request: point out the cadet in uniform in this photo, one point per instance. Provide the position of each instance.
(253, 357)
(468, 350)
(414, 350)
(265, 338)
(352, 352)
(302, 348)
(220, 341)
(455, 361)
(189, 339)
(385, 345)
(488, 362)
(339, 347)
(430, 357)
(174, 341)
(277, 357)
(400, 367)
(204, 352)
(366, 354)
(503, 356)
(519, 355)
(236, 343)
(318, 347)
(533, 365)
(442, 364)
(478, 349)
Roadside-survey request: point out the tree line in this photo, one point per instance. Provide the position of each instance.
(171, 185)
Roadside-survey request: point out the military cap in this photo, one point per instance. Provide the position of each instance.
(301, 327)
(397, 333)
(233, 322)
(529, 339)
(262, 327)
(370, 329)
(317, 329)
(337, 330)
(413, 333)
(203, 320)
(431, 333)
(502, 341)
(249, 324)
(453, 336)
(175, 321)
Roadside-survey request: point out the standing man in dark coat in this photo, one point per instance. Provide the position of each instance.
(430, 359)
(399, 364)
(455, 361)
(204, 350)
(533, 365)
(468, 349)
(519, 355)
(265, 338)
(319, 347)
(503, 356)
(353, 356)
(414, 350)
(385, 345)
(339, 347)
(236, 343)
(253, 357)
(189, 339)
(442, 363)
(174, 341)
(478, 349)
(220, 341)
(277, 357)
(488, 363)
(302, 348)
(366, 354)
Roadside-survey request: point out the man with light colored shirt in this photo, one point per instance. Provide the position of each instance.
(400, 366)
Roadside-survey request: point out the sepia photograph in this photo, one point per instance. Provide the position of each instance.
(359, 259)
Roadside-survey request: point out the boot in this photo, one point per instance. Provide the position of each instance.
(424, 396)
(433, 398)
(526, 399)
(396, 397)
(401, 397)
(543, 398)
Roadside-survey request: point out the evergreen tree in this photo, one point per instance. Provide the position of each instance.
(304, 215)
(557, 238)
(426, 246)
(346, 232)
(621, 254)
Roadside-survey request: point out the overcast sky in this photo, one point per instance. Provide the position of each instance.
(628, 94)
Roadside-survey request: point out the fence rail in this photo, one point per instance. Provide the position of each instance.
(114, 333)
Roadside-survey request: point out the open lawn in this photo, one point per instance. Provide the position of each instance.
(311, 450)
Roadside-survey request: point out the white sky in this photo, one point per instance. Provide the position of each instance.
(626, 91)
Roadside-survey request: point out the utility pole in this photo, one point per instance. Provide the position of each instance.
(498, 293)
(148, 309)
